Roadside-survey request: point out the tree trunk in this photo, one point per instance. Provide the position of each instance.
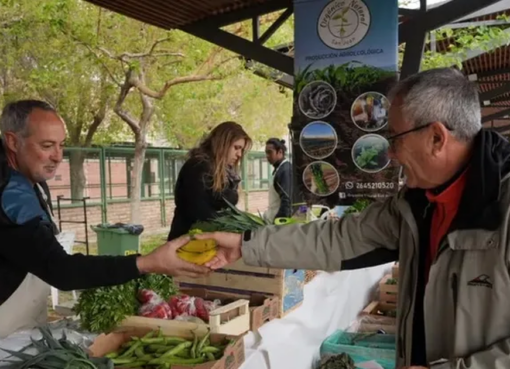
(77, 173)
(136, 182)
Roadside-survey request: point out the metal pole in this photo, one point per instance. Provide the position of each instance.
(161, 174)
(86, 224)
(102, 173)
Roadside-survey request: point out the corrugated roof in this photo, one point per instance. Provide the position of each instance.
(170, 14)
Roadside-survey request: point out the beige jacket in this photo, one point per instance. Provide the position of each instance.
(467, 298)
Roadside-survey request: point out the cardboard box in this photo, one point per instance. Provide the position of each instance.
(244, 280)
(263, 309)
(388, 292)
(233, 357)
(232, 317)
(394, 271)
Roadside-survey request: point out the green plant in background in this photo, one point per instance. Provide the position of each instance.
(358, 206)
(102, 309)
(318, 178)
(347, 77)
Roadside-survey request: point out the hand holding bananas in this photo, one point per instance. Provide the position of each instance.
(165, 260)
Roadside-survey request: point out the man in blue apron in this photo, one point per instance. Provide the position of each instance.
(31, 259)
(280, 187)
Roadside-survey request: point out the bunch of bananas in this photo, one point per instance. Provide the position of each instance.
(198, 251)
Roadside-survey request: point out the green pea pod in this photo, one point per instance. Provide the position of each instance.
(211, 349)
(119, 360)
(135, 364)
(177, 349)
(201, 344)
(176, 361)
(112, 355)
(184, 354)
(194, 346)
(139, 352)
(210, 356)
(131, 350)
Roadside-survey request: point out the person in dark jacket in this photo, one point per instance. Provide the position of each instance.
(31, 258)
(209, 176)
(280, 188)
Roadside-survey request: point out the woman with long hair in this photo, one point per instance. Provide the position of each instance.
(209, 175)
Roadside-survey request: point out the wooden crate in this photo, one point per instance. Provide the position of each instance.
(388, 292)
(232, 318)
(394, 271)
(373, 317)
(310, 275)
(244, 280)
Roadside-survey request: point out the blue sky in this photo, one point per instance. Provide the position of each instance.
(318, 130)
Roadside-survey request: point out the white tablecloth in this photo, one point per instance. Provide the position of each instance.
(332, 301)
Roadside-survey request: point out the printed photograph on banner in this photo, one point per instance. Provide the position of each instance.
(317, 100)
(369, 112)
(346, 57)
(318, 140)
(321, 178)
(370, 153)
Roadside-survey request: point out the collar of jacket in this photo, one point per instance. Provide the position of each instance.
(479, 207)
(4, 167)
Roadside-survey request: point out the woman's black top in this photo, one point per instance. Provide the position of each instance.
(194, 198)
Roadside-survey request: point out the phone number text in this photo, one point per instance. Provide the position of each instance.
(375, 185)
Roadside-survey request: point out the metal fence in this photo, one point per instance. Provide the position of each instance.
(104, 174)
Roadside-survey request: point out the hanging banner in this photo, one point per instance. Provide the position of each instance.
(345, 63)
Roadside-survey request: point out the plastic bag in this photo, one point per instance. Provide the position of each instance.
(185, 305)
(153, 306)
(134, 229)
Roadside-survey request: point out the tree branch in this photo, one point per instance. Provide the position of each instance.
(124, 115)
(176, 81)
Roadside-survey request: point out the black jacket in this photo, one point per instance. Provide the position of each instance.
(194, 198)
(29, 245)
(282, 184)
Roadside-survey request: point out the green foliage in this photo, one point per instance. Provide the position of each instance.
(461, 41)
(318, 178)
(102, 309)
(347, 77)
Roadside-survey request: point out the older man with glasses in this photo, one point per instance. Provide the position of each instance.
(448, 227)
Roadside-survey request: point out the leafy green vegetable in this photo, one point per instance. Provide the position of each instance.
(230, 220)
(54, 354)
(102, 309)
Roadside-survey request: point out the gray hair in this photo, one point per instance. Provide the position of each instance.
(14, 116)
(441, 95)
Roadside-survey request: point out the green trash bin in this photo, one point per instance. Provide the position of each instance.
(118, 239)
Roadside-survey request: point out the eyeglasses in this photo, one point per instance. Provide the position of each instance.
(392, 138)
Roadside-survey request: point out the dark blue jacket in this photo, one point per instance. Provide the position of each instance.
(28, 243)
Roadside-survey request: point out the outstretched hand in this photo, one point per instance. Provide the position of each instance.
(229, 248)
(164, 260)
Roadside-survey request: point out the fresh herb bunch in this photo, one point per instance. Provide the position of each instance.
(102, 309)
(230, 220)
(54, 354)
(318, 178)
